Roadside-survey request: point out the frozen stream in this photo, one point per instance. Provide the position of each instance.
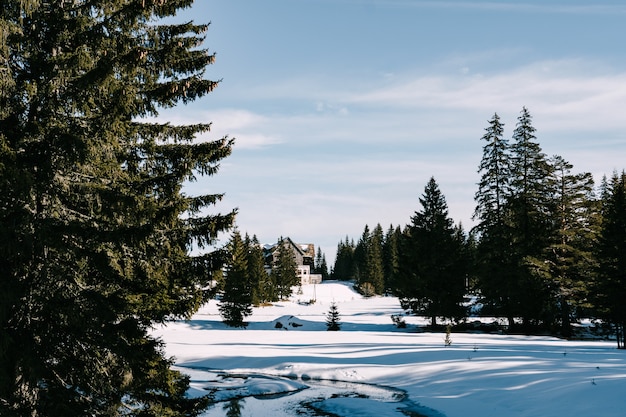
(257, 395)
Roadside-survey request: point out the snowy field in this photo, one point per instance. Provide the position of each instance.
(386, 371)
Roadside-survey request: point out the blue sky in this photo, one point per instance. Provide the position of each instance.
(342, 110)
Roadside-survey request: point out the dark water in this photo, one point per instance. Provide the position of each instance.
(313, 397)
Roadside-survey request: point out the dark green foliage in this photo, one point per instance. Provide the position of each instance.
(434, 268)
(375, 274)
(360, 257)
(284, 270)
(364, 261)
(344, 261)
(260, 281)
(391, 256)
(321, 267)
(494, 260)
(610, 287)
(332, 318)
(95, 232)
(236, 302)
(530, 223)
(570, 264)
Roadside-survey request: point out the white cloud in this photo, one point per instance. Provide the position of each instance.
(511, 7)
(569, 94)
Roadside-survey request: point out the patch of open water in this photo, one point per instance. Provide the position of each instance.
(259, 395)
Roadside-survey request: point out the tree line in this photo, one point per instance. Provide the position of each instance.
(549, 246)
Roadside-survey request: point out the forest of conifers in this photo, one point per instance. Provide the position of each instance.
(548, 248)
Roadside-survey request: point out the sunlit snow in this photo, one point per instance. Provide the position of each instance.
(387, 371)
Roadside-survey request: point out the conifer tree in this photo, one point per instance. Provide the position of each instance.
(360, 256)
(436, 269)
(324, 268)
(531, 223)
(95, 232)
(285, 270)
(494, 266)
(375, 274)
(236, 302)
(610, 287)
(344, 260)
(333, 322)
(391, 255)
(259, 278)
(570, 263)
(321, 267)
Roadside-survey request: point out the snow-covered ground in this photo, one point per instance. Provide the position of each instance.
(478, 375)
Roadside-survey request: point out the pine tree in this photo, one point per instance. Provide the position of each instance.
(95, 232)
(610, 287)
(236, 302)
(333, 318)
(436, 266)
(285, 270)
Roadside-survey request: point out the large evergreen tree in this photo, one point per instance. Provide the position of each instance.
(375, 273)
(259, 279)
(494, 267)
(95, 231)
(321, 266)
(435, 267)
(532, 229)
(570, 263)
(391, 256)
(610, 288)
(236, 302)
(360, 256)
(344, 261)
(284, 270)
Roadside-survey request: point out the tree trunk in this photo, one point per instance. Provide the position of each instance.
(566, 328)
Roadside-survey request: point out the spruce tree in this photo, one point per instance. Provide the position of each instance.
(494, 267)
(324, 268)
(284, 270)
(321, 267)
(333, 318)
(236, 302)
(360, 256)
(531, 224)
(259, 278)
(391, 255)
(436, 268)
(344, 261)
(375, 273)
(95, 231)
(610, 288)
(570, 263)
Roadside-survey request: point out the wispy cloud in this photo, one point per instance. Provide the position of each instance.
(538, 7)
